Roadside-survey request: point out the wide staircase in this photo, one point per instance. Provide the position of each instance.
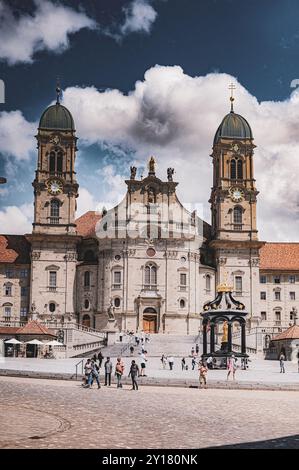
(171, 345)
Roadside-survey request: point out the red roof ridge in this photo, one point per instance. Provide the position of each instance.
(291, 333)
(33, 327)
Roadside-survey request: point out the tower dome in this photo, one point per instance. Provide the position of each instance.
(57, 117)
(233, 126)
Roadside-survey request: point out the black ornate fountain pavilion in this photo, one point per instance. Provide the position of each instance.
(226, 310)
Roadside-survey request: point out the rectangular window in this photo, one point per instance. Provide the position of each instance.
(238, 284)
(264, 316)
(183, 279)
(9, 273)
(292, 279)
(276, 279)
(23, 312)
(24, 291)
(52, 278)
(277, 295)
(292, 296)
(8, 290)
(24, 273)
(263, 279)
(277, 316)
(7, 312)
(263, 296)
(116, 279)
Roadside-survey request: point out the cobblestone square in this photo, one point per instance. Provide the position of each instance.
(38, 413)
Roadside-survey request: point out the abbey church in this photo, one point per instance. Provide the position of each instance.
(147, 260)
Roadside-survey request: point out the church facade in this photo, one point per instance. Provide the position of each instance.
(148, 260)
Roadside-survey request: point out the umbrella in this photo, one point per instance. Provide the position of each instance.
(34, 341)
(13, 341)
(54, 343)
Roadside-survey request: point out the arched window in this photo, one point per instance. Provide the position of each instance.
(54, 211)
(208, 282)
(55, 162)
(117, 302)
(182, 303)
(86, 304)
(52, 307)
(239, 169)
(237, 218)
(233, 172)
(150, 277)
(87, 279)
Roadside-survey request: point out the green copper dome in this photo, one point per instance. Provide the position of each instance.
(233, 126)
(57, 117)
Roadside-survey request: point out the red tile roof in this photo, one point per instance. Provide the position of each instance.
(8, 330)
(33, 327)
(280, 256)
(87, 222)
(290, 333)
(14, 249)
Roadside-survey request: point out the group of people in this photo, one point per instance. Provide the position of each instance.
(92, 372)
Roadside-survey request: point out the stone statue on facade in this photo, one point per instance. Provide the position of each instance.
(170, 172)
(110, 312)
(152, 166)
(133, 172)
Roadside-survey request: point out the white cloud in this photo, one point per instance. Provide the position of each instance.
(16, 135)
(175, 116)
(139, 17)
(48, 28)
(16, 220)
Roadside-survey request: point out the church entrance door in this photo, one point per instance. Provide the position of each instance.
(150, 320)
(86, 321)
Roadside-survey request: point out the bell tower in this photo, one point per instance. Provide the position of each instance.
(233, 208)
(55, 185)
(54, 241)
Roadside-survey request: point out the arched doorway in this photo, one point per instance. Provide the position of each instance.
(86, 320)
(150, 320)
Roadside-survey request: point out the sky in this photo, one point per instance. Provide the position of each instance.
(151, 77)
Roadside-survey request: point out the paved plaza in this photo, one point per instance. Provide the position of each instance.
(38, 413)
(259, 372)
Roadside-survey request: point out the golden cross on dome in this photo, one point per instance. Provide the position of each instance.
(232, 88)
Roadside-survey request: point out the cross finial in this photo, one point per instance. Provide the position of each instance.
(58, 91)
(232, 88)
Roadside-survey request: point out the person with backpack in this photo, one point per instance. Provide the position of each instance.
(119, 370)
(134, 372)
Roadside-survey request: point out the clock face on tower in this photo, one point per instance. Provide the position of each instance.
(54, 186)
(237, 194)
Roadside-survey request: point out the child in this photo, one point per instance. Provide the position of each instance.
(202, 375)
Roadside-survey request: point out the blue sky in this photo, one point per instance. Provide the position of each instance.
(182, 55)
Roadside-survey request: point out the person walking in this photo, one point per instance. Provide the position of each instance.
(134, 372)
(202, 375)
(94, 375)
(108, 371)
(210, 362)
(192, 351)
(170, 362)
(232, 367)
(281, 363)
(143, 361)
(100, 359)
(183, 363)
(163, 360)
(193, 362)
(197, 348)
(119, 370)
(87, 372)
(131, 350)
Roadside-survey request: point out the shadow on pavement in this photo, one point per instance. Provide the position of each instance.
(286, 442)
